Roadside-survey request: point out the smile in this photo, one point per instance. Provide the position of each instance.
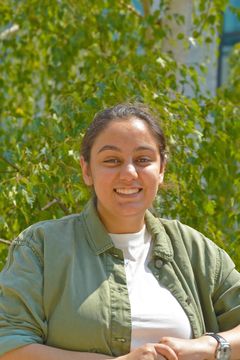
(127, 191)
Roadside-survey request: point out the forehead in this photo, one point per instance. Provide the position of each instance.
(126, 136)
(128, 130)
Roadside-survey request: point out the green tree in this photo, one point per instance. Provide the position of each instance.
(61, 61)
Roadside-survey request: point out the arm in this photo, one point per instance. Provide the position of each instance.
(22, 319)
(43, 352)
(204, 348)
(233, 337)
(227, 309)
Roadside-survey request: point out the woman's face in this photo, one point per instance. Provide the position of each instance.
(125, 171)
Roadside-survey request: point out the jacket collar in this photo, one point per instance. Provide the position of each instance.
(162, 247)
(100, 241)
(98, 237)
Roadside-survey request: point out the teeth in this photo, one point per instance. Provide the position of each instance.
(127, 191)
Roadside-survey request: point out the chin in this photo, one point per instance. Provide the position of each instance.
(131, 210)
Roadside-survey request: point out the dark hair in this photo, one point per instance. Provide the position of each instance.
(122, 112)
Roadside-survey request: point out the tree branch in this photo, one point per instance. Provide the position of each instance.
(8, 172)
(60, 204)
(63, 207)
(7, 242)
(48, 205)
(146, 7)
(130, 8)
(9, 163)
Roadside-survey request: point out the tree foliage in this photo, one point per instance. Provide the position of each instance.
(61, 61)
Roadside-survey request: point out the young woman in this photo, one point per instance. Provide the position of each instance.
(114, 281)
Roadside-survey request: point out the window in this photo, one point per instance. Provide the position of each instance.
(230, 36)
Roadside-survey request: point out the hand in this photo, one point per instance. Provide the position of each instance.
(203, 348)
(151, 351)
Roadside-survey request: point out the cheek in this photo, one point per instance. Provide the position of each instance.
(151, 173)
(102, 176)
(152, 181)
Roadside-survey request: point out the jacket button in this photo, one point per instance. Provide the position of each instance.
(122, 340)
(158, 263)
(188, 300)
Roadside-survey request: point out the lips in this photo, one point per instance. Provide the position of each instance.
(125, 191)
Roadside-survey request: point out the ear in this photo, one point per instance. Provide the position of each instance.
(161, 175)
(86, 172)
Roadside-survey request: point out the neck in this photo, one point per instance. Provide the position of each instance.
(125, 225)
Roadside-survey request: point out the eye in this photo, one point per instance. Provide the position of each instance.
(112, 161)
(143, 160)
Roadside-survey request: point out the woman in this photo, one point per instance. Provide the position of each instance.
(114, 281)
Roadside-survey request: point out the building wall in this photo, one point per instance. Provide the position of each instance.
(211, 55)
(194, 54)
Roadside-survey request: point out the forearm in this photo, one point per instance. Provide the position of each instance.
(43, 352)
(203, 347)
(233, 337)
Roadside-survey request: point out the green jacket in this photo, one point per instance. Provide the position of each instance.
(64, 284)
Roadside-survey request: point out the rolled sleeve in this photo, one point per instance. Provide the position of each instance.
(22, 319)
(227, 296)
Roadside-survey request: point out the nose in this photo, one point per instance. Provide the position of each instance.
(128, 172)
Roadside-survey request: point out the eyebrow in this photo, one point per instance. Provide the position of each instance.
(109, 147)
(115, 148)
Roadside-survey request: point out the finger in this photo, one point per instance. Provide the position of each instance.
(166, 351)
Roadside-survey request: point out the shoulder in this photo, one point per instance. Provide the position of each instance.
(190, 237)
(190, 243)
(182, 238)
(43, 227)
(52, 231)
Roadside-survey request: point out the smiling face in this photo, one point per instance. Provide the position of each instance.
(125, 171)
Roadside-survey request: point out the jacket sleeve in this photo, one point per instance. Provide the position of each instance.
(215, 283)
(226, 298)
(22, 319)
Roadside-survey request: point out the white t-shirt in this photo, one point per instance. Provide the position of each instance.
(155, 311)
